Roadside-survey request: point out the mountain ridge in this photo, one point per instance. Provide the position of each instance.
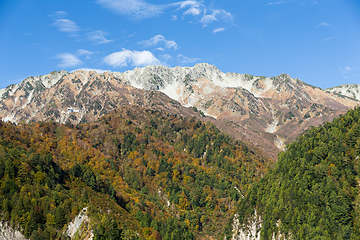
(263, 109)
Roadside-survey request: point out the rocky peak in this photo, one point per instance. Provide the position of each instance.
(348, 90)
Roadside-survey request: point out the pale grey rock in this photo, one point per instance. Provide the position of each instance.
(8, 233)
(348, 90)
(74, 227)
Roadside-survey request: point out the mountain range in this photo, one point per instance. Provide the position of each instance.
(178, 153)
(266, 112)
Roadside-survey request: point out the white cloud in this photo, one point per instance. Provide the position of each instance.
(195, 8)
(140, 9)
(68, 60)
(99, 37)
(136, 58)
(184, 4)
(215, 16)
(220, 29)
(166, 57)
(92, 69)
(160, 39)
(183, 59)
(58, 14)
(66, 25)
(328, 39)
(279, 2)
(326, 24)
(193, 11)
(136, 8)
(86, 53)
(160, 49)
(346, 70)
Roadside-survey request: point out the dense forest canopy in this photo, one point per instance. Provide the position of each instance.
(312, 191)
(142, 173)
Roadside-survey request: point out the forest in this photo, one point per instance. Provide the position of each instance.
(142, 173)
(312, 192)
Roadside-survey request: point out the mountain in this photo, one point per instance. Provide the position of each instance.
(136, 173)
(313, 190)
(267, 112)
(348, 90)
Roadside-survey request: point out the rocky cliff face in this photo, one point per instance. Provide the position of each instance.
(9, 233)
(267, 112)
(80, 228)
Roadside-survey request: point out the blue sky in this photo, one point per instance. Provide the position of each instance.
(316, 41)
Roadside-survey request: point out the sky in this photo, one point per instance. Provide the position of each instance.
(317, 41)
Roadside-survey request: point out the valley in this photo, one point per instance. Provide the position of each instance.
(177, 153)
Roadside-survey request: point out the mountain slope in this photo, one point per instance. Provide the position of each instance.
(348, 90)
(313, 190)
(139, 171)
(267, 112)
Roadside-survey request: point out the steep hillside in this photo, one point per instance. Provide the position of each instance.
(313, 190)
(141, 172)
(267, 112)
(348, 90)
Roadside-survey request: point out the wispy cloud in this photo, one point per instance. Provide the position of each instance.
(278, 2)
(346, 70)
(328, 39)
(68, 60)
(166, 57)
(86, 53)
(135, 58)
(92, 69)
(99, 37)
(195, 7)
(350, 72)
(58, 14)
(216, 15)
(326, 24)
(182, 59)
(66, 25)
(160, 39)
(140, 9)
(220, 29)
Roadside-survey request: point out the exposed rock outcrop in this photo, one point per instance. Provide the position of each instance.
(348, 90)
(79, 228)
(9, 233)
